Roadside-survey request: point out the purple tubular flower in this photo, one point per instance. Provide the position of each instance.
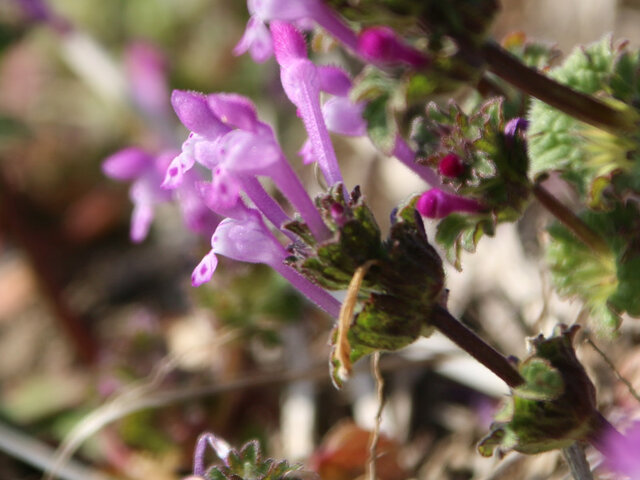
(213, 119)
(127, 164)
(622, 451)
(248, 154)
(435, 203)
(145, 171)
(258, 42)
(403, 152)
(134, 164)
(194, 112)
(248, 239)
(381, 46)
(300, 82)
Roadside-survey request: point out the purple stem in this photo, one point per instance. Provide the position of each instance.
(326, 18)
(289, 184)
(407, 156)
(313, 292)
(266, 204)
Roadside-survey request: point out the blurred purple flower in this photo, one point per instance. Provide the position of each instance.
(381, 46)
(145, 171)
(256, 39)
(146, 69)
(622, 452)
(39, 11)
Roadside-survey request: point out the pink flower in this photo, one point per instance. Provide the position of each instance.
(435, 203)
(256, 39)
(381, 45)
(622, 452)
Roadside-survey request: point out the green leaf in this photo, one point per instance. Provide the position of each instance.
(584, 154)
(543, 382)
(608, 285)
(381, 125)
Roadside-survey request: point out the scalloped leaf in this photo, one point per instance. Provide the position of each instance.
(584, 154)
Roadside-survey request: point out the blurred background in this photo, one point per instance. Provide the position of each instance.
(111, 364)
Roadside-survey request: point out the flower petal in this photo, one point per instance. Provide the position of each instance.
(176, 170)
(249, 153)
(127, 164)
(204, 271)
(141, 218)
(234, 110)
(257, 40)
(334, 80)
(194, 113)
(247, 240)
(306, 152)
(344, 116)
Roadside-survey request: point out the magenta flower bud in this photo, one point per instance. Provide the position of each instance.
(381, 45)
(337, 213)
(515, 128)
(451, 166)
(435, 203)
(515, 125)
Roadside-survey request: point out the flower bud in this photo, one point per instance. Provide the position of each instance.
(451, 166)
(382, 45)
(435, 203)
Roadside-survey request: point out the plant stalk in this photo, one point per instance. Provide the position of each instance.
(577, 104)
(571, 221)
(475, 346)
(577, 461)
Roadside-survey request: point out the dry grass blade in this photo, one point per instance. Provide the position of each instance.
(343, 349)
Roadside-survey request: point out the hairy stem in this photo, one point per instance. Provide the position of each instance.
(571, 221)
(579, 105)
(471, 343)
(575, 457)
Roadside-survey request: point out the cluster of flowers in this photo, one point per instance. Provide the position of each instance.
(228, 140)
